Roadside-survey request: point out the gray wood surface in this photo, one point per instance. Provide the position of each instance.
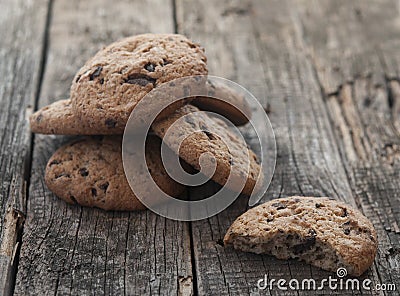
(328, 72)
(73, 250)
(22, 26)
(308, 163)
(363, 109)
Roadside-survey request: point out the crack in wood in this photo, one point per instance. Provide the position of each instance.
(9, 247)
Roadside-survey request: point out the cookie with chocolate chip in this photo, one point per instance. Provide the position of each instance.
(58, 118)
(107, 88)
(89, 172)
(320, 231)
(197, 134)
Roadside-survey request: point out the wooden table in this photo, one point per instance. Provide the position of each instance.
(327, 72)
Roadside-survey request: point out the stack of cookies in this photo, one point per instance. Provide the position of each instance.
(104, 92)
(89, 170)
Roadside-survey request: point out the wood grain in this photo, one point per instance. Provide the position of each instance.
(294, 70)
(73, 250)
(363, 108)
(328, 72)
(22, 27)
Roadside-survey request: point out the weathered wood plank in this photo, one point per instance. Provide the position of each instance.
(373, 166)
(73, 250)
(365, 110)
(342, 38)
(22, 27)
(259, 45)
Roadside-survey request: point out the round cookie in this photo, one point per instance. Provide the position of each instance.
(89, 172)
(58, 118)
(107, 88)
(323, 232)
(236, 111)
(196, 143)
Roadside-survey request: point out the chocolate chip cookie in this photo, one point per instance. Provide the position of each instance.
(58, 118)
(325, 233)
(107, 88)
(89, 172)
(204, 134)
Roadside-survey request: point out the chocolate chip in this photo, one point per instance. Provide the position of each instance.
(110, 122)
(150, 67)
(77, 78)
(344, 213)
(317, 205)
(312, 232)
(346, 223)
(231, 161)
(96, 73)
(346, 231)
(73, 199)
(83, 172)
(94, 191)
(279, 205)
(140, 79)
(255, 158)
(104, 186)
(190, 120)
(54, 162)
(166, 62)
(365, 230)
(270, 219)
(101, 80)
(305, 246)
(210, 136)
(39, 118)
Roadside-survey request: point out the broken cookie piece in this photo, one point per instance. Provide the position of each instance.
(322, 232)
